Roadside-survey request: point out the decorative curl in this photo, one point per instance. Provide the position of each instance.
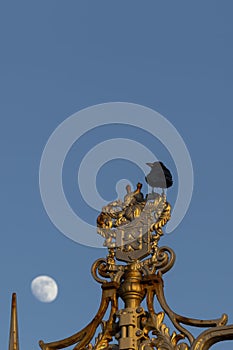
(162, 260)
(100, 268)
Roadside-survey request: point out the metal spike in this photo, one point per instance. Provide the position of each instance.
(14, 336)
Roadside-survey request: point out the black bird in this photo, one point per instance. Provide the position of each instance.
(159, 176)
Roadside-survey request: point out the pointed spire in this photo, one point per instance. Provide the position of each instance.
(14, 337)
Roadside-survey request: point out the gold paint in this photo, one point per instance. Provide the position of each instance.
(132, 230)
(14, 334)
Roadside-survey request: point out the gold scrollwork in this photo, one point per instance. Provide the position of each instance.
(212, 336)
(135, 282)
(132, 229)
(83, 337)
(162, 259)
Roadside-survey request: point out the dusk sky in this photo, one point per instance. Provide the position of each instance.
(59, 57)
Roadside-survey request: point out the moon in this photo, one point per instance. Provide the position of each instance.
(44, 288)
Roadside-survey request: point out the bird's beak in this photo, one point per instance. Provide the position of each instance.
(150, 164)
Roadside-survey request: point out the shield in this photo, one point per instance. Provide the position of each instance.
(133, 239)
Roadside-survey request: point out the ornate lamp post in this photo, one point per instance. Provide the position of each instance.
(133, 271)
(132, 229)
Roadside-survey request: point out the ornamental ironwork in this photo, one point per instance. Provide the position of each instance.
(133, 272)
(132, 229)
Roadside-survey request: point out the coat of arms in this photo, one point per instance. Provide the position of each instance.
(131, 226)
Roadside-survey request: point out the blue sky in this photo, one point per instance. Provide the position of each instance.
(59, 57)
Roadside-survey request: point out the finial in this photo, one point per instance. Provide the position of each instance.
(14, 337)
(132, 228)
